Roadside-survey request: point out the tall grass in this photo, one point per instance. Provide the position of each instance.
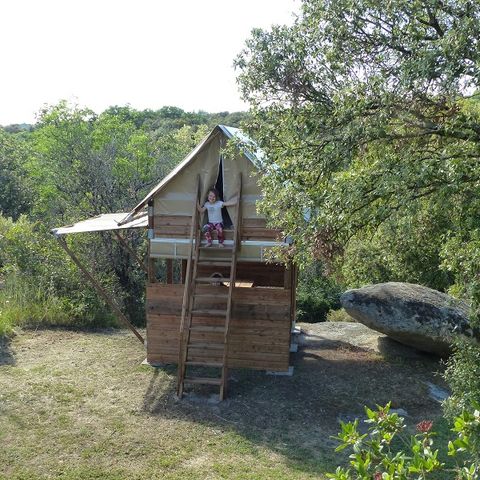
(26, 304)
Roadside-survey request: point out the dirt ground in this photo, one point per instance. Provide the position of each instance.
(338, 369)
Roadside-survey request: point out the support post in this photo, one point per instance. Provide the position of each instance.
(169, 265)
(184, 271)
(119, 314)
(152, 278)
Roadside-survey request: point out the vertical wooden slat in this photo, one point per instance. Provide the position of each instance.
(184, 271)
(169, 271)
(233, 273)
(287, 279)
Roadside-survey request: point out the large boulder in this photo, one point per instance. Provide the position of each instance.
(411, 314)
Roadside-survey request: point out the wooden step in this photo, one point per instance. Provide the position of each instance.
(204, 364)
(203, 380)
(207, 328)
(211, 295)
(214, 263)
(211, 280)
(210, 312)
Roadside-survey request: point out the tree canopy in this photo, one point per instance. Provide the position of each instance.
(369, 115)
(70, 165)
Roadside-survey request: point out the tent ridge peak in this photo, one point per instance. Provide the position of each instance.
(229, 132)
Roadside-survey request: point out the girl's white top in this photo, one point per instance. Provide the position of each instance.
(214, 211)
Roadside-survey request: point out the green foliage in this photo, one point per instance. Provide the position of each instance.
(463, 376)
(26, 304)
(15, 194)
(339, 315)
(41, 285)
(169, 118)
(386, 453)
(316, 294)
(71, 165)
(369, 116)
(364, 111)
(404, 248)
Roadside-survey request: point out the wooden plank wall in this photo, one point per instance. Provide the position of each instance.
(260, 274)
(259, 329)
(178, 226)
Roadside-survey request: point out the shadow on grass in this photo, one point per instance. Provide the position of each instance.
(297, 416)
(6, 353)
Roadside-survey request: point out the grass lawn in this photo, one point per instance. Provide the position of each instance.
(79, 405)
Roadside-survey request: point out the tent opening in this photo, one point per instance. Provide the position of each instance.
(227, 221)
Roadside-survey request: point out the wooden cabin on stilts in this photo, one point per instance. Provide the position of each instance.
(216, 308)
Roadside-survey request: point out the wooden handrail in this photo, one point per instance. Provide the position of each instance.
(186, 306)
(233, 275)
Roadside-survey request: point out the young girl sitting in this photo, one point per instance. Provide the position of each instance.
(214, 206)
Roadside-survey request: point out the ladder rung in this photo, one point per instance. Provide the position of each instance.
(207, 328)
(202, 261)
(214, 263)
(203, 380)
(202, 311)
(211, 280)
(204, 364)
(211, 295)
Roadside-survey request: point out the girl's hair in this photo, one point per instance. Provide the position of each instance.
(215, 191)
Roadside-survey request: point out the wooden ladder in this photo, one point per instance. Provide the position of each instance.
(206, 310)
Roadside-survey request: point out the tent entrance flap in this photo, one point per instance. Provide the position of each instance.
(227, 221)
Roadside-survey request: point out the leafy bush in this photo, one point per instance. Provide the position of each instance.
(386, 453)
(463, 376)
(41, 286)
(316, 295)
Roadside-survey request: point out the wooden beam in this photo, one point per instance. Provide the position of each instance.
(152, 278)
(184, 271)
(129, 249)
(119, 314)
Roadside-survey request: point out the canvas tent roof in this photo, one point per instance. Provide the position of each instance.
(253, 154)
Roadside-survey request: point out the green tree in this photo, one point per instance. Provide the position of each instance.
(84, 165)
(369, 115)
(15, 193)
(364, 110)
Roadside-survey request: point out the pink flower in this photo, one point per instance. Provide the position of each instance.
(377, 476)
(424, 426)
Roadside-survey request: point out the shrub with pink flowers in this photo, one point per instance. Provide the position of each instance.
(386, 452)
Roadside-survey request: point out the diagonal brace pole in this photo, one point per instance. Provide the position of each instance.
(119, 314)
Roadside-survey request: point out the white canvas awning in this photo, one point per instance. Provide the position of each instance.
(102, 223)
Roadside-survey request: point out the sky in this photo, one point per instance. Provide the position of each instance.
(142, 53)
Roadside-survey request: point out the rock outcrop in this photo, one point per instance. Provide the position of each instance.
(411, 314)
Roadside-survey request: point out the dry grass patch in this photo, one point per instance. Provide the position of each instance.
(79, 405)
